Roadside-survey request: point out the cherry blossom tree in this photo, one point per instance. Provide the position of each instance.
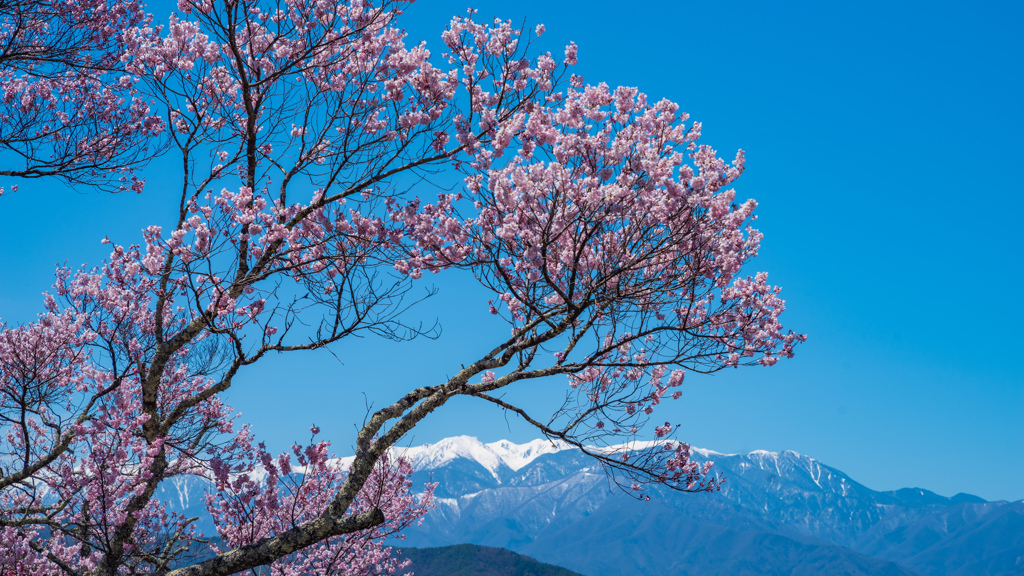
(608, 236)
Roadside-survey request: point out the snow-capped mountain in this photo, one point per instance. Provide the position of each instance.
(781, 512)
(495, 457)
(778, 512)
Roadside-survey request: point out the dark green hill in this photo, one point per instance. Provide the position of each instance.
(473, 560)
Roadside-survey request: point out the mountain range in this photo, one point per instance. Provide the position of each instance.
(777, 513)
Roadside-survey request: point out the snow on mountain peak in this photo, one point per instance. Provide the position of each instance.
(706, 453)
(515, 456)
(504, 452)
(770, 454)
(494, 455)
(437, 455)
(491, 456)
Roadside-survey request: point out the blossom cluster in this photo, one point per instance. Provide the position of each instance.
(67, 108)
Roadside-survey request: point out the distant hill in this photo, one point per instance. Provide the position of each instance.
(473, 560)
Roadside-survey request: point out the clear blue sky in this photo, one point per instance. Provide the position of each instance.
(884, 145)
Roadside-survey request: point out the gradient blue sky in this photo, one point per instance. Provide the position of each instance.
(884, 148)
